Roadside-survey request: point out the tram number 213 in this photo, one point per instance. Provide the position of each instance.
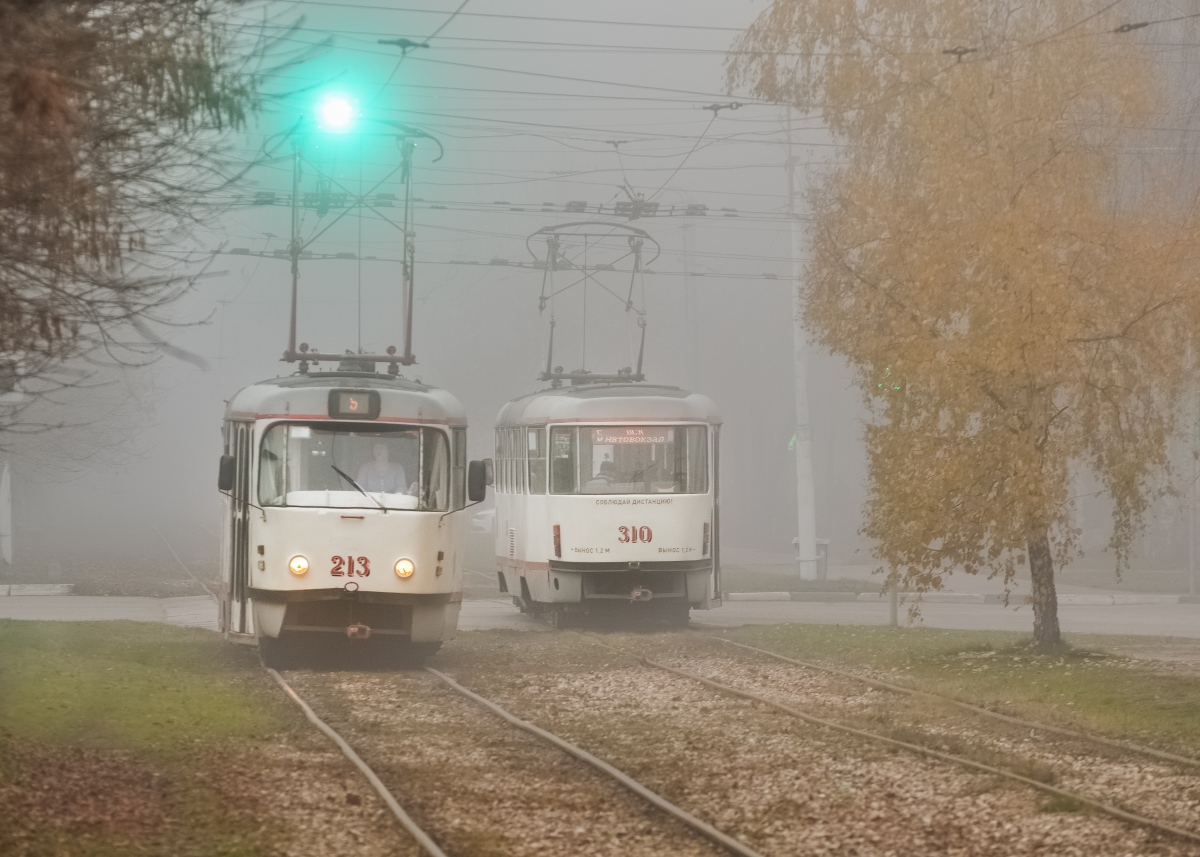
(633, 535)
(350, 566)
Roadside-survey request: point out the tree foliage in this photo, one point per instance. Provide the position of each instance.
(977, 247)
(111, 115)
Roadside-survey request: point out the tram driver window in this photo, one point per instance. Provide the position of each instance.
(629, 459)
(332, 464)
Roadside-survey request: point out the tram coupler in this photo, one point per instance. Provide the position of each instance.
(358, 632)
(641, 593)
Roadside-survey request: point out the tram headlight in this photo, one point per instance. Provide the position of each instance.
(405, 568)
(298, 565)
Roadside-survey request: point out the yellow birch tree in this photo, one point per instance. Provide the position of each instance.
(1011, 312)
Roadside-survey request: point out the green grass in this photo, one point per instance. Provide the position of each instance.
(99, 711)
(1083, 687)
(129, 685)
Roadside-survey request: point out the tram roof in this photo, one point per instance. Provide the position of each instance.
(306, 397)
(606, 402)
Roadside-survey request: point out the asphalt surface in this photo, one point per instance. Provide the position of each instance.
(1159, 620)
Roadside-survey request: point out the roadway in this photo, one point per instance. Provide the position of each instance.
(1159, 620)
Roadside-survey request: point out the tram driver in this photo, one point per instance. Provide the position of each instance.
(381, 475)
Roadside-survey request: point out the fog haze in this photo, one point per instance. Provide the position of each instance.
(145, 452)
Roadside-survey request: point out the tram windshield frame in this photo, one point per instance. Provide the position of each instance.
(298, 466)
(629, 458)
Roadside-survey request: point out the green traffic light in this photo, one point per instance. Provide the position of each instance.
(336, 114)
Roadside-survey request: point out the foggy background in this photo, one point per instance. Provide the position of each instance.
(142, 447)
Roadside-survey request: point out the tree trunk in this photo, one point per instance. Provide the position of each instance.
(1046, 634)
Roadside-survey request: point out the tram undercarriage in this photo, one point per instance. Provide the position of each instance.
(570, 593)
(291, 626)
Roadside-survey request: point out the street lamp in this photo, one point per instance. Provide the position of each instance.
(336, 114)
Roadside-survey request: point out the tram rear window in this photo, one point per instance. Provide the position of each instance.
(629, 459)
(325, 465)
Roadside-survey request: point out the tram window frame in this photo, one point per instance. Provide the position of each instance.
(535, 453)
(499, 462)
(519, 456)
(432, 495)
(458, 468)
(689, 446)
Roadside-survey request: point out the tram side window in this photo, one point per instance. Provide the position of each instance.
(629, 459)
(506, 443)
(458, 481)
(536, 444)
(510, 460)
(562, 460)
(518, 436)
(501, 463)
(435, 475)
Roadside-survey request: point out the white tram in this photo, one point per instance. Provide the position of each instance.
(607, 499)
(340, 490)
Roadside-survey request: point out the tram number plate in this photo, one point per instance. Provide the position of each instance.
(633, 535)
(350, 566)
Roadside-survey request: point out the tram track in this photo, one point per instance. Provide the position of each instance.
(422, 838)
(1108, 808)
(1127, 746)
(716, 841)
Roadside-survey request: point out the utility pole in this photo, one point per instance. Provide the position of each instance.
(689, 309)
(1194, 406)
(806, 503)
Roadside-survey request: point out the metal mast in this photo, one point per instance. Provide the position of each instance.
(806, 503)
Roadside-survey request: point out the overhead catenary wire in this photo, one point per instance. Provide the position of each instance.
(425, 43)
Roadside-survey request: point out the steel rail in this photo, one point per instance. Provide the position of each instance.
(977, 709)
(404, 818)
(1107, 809)
(701, 827)
(183, 565)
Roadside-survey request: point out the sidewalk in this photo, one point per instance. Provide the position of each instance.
(858, 583)
(194, 611)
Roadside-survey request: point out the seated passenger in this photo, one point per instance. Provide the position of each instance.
(381, 475)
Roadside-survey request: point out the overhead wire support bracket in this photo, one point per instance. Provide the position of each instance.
(588, 234)
(406, 136)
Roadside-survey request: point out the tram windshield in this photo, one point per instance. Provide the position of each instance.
(629, 459)
(325, 465)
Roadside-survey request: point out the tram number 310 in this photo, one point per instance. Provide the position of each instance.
(350, 566)
(633, 535)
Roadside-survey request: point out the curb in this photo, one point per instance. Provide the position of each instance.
(1116, 600)
(789, 596)
(36, 588)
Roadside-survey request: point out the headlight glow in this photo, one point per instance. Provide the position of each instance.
(298, 565)
(405, 568)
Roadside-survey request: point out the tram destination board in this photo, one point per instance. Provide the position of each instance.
(354, 404)
(630, 434)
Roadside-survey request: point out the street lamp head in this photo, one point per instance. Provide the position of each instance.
(336, 114)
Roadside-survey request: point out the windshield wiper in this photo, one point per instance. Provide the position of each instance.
(346, 476)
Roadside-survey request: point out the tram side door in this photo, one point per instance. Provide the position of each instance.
(716, 513)
(239, 529)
